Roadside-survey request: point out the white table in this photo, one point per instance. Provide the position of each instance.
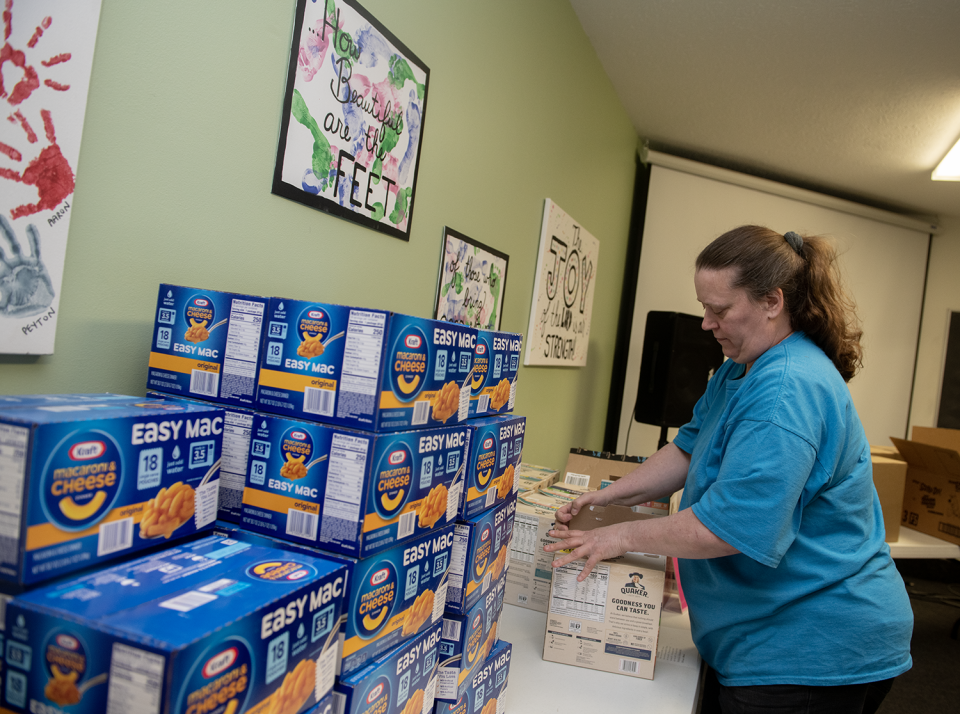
(538, 687)
(914, 544)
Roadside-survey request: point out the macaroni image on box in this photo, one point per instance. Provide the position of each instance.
(391, 597)
(496, 445)
(206, 345)
(89, 484)
(403, 681)
(496, 359)
(353, 493)
(366, 369)
(237, 427)
(216, 626)
(467, 641)
(481, 551)
(486, 691)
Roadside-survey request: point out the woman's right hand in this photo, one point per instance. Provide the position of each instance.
(569, 510)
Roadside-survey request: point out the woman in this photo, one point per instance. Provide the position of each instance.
(794, 599)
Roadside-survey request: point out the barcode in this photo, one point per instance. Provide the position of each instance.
(188, 601)
(204, 383)
(627, 665)
(491, 497)
(114, 536)
(421, 410)
(483, 404)
(302, 524)
(407, 524)
(339, 703)
(451, 630)
(486, 582)
(318, 401)
(577, 479)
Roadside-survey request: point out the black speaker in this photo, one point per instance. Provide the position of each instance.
(677, 360)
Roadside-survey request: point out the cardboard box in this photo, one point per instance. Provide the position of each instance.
(391, 597)
(237, 427)
(496, 359)
(481, 549)
(530, 572)
(496, 446)
(931, 497)
(466, 642)
(79, 479)
(589, 468)
(364, 369)
(531, 477)
(610, 621)
(350, 492)
(403, 681)
(486, 691)
(206, 345)
(889, 478)
(187, 629)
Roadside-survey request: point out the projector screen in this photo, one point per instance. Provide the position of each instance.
(884, 268)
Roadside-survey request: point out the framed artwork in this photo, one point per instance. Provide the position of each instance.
(559, 330)
(45, 68)
(353, 113)
(472, 282)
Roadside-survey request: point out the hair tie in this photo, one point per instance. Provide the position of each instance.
(795, 241)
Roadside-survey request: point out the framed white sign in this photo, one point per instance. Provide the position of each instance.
(559, 331)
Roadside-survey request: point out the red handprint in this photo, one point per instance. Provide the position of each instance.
(49, 172)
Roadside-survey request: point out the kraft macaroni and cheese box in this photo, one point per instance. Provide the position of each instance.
(481, 550)
(237, 427)
(87, 485)
(65, 401)
(215, 626)
(403, 681)
(496, 359)
(496, 445)
(466, 642)
(391, 597)
(366, 369)
(487, 688)
(350, 492)
(206, 345)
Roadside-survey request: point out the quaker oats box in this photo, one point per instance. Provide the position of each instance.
(530, 572)
(481, 551)
(237, 427)
(496, 359)
(466, 642)
(216, 625)
(349, 492)
(487, 689)
(87, 483)
(365, 369)
(206, 345)
(402, 681)
(610, 621)
(496, 446)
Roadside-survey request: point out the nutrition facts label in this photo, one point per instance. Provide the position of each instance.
(361, 351)
(237, 428)
(586, 600)
(523, 546)
(135, 680)
(348, 458)
(13, 460)
(241, 352)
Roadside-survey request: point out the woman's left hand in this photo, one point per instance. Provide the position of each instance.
(594, 545)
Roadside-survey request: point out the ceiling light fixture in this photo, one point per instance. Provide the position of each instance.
(949, 168)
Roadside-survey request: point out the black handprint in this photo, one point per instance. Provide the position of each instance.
(25, 285)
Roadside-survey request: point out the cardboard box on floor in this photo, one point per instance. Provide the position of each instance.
(610, 621)
(931, 497)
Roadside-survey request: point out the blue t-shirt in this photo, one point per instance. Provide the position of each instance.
(780, 469)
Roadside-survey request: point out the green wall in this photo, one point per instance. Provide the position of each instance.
(173, 185)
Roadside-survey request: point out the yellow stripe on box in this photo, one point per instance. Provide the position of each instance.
(276, 502)
(355, 644)
(47, 534)
(388, 400)
(294, 382)
(183, 365)
(373, 521)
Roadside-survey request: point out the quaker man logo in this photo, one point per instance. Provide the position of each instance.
(634, 584)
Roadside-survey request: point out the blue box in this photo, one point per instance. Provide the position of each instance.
(364, 369)
(212, 625)
(481, 549)
(80, 478)
(496, 447)
(496, 360)
(485, 690)
(206, 345)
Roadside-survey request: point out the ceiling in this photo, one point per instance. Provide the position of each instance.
(854, 98)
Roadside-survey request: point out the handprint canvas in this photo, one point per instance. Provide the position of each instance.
(352, 120)
(45, 62)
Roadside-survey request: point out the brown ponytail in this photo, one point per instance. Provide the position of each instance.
(809, 278)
